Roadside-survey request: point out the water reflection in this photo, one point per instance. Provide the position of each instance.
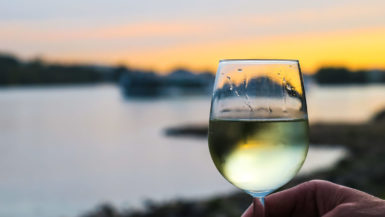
(64, 150)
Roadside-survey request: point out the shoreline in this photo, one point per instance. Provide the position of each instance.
(362, 169)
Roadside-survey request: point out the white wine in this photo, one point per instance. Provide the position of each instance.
(258, 155)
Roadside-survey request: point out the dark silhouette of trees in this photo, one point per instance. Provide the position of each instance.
(341, 76)
(37, 72)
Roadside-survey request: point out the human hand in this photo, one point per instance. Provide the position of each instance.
(320, 198)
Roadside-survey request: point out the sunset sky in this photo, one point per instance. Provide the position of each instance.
(162, 35)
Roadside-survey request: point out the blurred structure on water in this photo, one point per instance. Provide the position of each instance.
(178, 83)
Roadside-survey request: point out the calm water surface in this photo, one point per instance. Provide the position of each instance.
(64, 150)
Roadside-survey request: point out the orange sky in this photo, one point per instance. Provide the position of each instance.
(363, 48)
(344, 33)
(356, 49)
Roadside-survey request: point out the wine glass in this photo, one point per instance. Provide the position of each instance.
(258, 131)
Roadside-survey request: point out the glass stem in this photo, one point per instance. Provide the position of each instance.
(259, 207)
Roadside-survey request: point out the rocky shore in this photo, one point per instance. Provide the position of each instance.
(363, 169)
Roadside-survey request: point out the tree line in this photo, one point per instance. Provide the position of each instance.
(343, 76)
(14, 71)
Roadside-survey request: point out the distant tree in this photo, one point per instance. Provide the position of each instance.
(119, 71)
(359, 77)
(333, 76)
(16, 72)
(9, 69)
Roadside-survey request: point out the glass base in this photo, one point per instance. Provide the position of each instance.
(259, 194)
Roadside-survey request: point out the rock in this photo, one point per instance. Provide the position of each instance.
(379, 117)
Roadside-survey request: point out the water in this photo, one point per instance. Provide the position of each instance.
(352, 104)
(64, 150)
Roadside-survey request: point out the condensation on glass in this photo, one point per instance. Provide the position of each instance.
(258, 89)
